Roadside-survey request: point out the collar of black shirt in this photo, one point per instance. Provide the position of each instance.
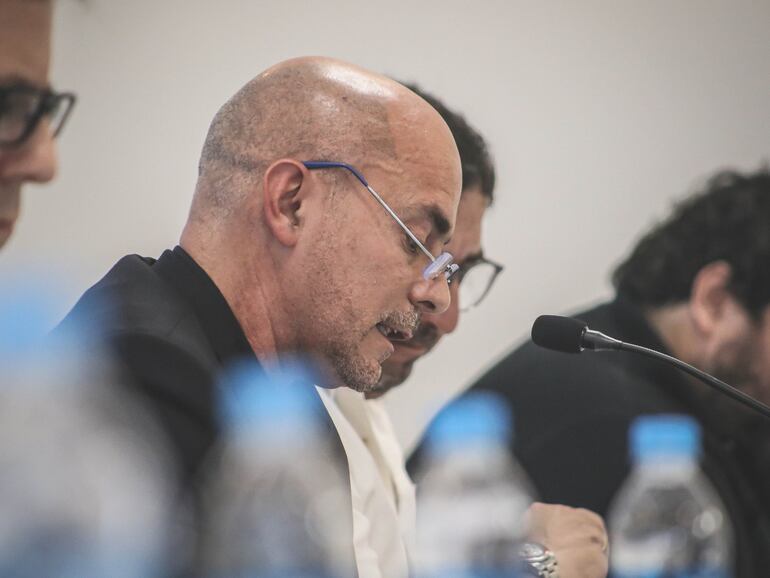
(217, 320)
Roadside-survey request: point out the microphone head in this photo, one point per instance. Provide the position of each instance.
(563, 334)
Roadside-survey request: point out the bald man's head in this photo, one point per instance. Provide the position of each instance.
(311, 254)
(306, 108)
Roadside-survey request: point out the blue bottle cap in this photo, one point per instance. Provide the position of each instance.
(26, 313)
(252, 398)
(476, 418)
(666, 435)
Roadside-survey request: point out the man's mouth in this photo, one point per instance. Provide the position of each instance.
(393, 332)
(423, 339)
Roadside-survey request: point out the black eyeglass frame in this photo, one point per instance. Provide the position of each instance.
(463, 270)
(49, 100)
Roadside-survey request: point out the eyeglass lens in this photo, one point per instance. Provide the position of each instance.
(22, 108)
(58, 114)
(475, 284)
(17, 110)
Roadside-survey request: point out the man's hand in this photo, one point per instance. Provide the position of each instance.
(577, 538)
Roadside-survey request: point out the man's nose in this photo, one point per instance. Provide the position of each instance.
(33, 161)
(447, 321)
(431, 295)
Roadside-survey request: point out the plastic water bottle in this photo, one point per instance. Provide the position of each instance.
(472, 495)
(83, 486)
(278, 502)
(667, 520)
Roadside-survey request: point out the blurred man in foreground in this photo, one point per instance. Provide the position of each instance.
(698, 287)
(31, 115)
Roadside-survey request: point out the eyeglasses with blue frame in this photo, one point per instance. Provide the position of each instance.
(438, 265)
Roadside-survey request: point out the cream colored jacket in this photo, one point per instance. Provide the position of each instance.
(383, 497)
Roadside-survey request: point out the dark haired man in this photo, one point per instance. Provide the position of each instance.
(30, 114)
(698, 287)
(477, 274)
(575, 537)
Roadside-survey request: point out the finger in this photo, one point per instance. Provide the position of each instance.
(592, 517)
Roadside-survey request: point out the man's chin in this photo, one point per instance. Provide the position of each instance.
(393, 375)
(356, 372)
(402, 359)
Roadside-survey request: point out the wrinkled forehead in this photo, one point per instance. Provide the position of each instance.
(25, 40)
(427, 159)
(430, 192)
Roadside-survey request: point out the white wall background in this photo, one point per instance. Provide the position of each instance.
(599, 113)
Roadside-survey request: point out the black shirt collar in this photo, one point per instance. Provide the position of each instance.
(630, 324)
(217, 320)
(634, 325)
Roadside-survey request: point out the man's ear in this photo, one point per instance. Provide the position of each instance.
(284, 191)
(710, 299)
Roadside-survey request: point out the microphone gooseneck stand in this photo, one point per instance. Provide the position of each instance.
(709, 380)
(570, 335)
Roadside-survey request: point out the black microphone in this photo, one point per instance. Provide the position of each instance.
(569, 335)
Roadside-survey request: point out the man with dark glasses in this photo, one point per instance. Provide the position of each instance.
(475, 272)
(573, 537)
(31, 114)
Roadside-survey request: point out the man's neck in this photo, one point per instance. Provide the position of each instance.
(246, 289)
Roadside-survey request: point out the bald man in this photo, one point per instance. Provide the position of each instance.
(283, 255)
(31, 115)
(324, 199)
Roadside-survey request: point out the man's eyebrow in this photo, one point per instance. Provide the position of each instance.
(439, 221)
(433, 213)
(472, 258)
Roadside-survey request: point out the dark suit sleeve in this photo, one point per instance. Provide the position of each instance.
(580, 464)
(571, 416)
(180, 391)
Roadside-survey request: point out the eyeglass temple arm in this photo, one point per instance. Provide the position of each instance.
(360, 177)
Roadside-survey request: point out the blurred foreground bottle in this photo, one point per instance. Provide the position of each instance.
(667, 521)
(84, 491)
(278, 501)
(472, 495)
